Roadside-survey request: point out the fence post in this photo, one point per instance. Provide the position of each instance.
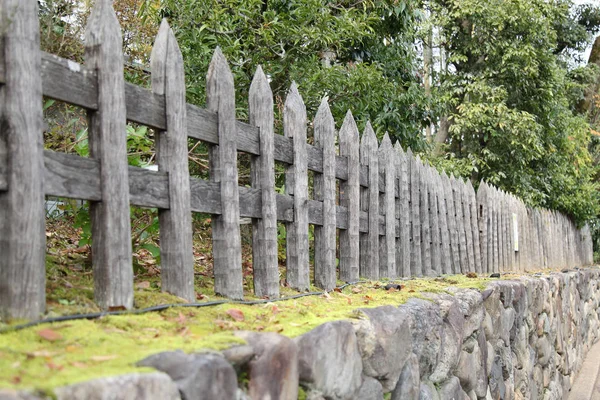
(482, 222)
(350, 198)
(452, 228)
(111, 226)
(415, 215)
(434, 220)
(177, 260)
(446, 257)
(227, 250)
(424, 218)
(325, 191)
(468, 227)
(296, 184)
(264, 229)
(460, 224)
(369, 242)
(22, 219)
(403, 258)
(387, 244)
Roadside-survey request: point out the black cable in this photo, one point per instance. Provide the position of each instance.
(162, 307)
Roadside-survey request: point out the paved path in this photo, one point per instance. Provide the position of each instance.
(587, 383)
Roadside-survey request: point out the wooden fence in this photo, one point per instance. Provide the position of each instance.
(396, 216)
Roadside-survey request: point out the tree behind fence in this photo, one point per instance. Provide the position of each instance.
(396, 216)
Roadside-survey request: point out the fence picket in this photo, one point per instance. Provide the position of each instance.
(296, 184)
(325, 191)
(403, 248)
(446, 257)
(111, 227)
(22, 223)
(434, 218)
(227, 250)
(350, 199)
(177, 261)
(387, 244)
(452, 228)
(468, 228)
(369, 243)
(415, 199)
(264, 229)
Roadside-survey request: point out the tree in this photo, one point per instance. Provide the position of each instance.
(510, 99)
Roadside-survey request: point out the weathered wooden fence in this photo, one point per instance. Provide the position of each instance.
(396, 216)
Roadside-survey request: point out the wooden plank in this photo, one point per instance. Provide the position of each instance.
(3, 163)
(403, 258)
(264, 229)
(415, 201)
(296, 184)
(325, 191)
(177, 259)
(445, 251)
(227, 250)
(468, 228)
(496, 229)
(387, 244)
(111, 228)
(434, 218)
(474, 226)
(460, 224)
(424, 217)
(452, 226)
(22, 223)
(369, 242)
(482, 222)
(350, 198)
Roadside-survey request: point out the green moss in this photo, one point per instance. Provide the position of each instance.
(301, 393)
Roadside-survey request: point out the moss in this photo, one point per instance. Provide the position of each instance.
(301, 393)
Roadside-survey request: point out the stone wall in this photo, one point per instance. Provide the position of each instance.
(518, 339)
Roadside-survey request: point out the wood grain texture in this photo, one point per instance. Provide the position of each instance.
(296, 184)
(22, 222)
(482, 222)
(403, 257)
(350, 198)
(445, 250)
(468, 229)
(415, 217)
(460, 224)
(387, 243)
(452, 225)
(424, 219)
(227, 250)
(111, 228)
(325, 191)
(369, 242)
(434, 218)
(177, 260)
(264, 229)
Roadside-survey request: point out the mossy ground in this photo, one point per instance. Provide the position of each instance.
(51, 355)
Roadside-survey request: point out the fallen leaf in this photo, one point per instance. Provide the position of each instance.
(143, 285)
(181, 318)
(200, 296)
(117, 308)
(349, 300)
(15, 380)
(275, 310)
(50, 335)
(337, 290)
(236, 314)
(78, 364)
(471, 275)
(53, 366)
(41, 353)
(356, 290)
(103, 358)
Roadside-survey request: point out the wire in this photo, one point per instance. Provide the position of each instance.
(162, 307)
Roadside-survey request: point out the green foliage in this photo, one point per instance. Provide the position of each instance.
(511, 100)
(361, 56)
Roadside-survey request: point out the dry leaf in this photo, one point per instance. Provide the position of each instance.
(356, 290)
(50, 335)
(53, 366)
(42, 353)
(103, 358)
(181, 318)
(236, 314)
(143, 285)
(78, 364)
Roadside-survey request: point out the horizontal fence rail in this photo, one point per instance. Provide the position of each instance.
(396, 215)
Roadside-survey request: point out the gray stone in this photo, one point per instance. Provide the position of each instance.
(239, 356)
(451, 390)
(384, 341)
(329, 360)
(426, 328)
(198, 376)
(153, 386)
(370, 389)
(470, 302)
(470, 370)
(274, 371)
(9, 394)
(408, 386)
(428, 392)
(451, 339)
(496, 380)
(544, 351)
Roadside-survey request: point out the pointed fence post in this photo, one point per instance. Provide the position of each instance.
(424, 217)
(415, 201)
(227, 248)
(325, 191)
(111, 226)
(460, 224)
(403, 259)
(177, 260)
(387, 244)
(264, 229)
(22, 219)
(296, 184)
(482, 222)
(369, 242)
(434, 219)
(452, 228)
(468, 227)
(350, 198)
